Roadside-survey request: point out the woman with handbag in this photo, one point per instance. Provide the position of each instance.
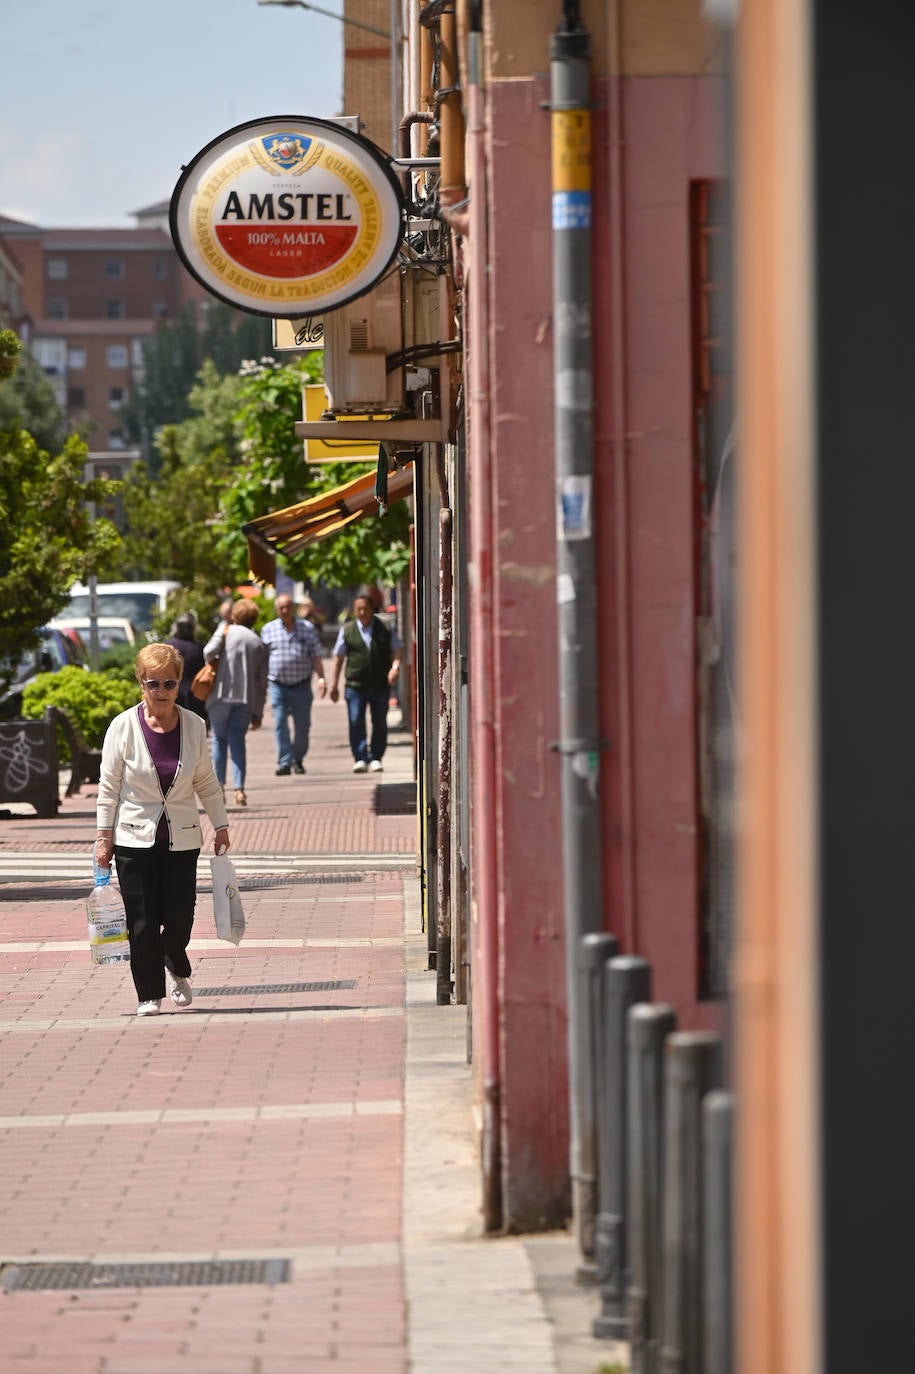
(155, 766)
(239, 692)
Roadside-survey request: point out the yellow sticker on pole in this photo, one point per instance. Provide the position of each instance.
(571, 131)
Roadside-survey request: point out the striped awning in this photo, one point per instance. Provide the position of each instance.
(289, 530)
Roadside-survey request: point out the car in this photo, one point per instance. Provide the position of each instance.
(56, 650)
(112, 629)
(139, 602)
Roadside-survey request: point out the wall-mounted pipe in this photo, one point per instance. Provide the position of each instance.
(482, 675)
(573, 409)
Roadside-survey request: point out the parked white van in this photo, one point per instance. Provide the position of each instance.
(138, 602)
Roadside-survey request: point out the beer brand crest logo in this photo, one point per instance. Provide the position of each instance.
(286, 154)
(288, 216)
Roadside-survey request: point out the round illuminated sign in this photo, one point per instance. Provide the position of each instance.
(287, 216)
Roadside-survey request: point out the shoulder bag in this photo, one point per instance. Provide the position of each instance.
(203, 682)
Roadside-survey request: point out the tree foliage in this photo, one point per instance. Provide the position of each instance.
(49, 538)
(27, 398)
(93, 699)
(173, 516)
(173, 358)
(272, 474)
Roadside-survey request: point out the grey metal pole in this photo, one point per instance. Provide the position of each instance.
(693, 1066)
(648, 1028)
(575, 584)
(717, 1155)
(594, 952)
(627, 981)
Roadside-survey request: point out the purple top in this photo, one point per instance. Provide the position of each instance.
(165, 751)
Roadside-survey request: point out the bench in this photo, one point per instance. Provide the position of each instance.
(85, 762)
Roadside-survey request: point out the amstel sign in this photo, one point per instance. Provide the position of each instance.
(287, 216)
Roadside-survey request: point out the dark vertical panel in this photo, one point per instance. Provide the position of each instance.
(864, 96)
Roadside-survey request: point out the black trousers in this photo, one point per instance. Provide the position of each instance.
(159, 887)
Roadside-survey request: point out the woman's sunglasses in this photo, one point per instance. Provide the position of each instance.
(152, 684)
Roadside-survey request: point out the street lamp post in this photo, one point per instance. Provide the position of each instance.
(331, 14)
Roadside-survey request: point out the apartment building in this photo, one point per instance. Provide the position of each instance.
(87, 300)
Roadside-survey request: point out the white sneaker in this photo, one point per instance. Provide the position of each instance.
(376, 766)
(149, 1008)
(180, 993)
(360, 766)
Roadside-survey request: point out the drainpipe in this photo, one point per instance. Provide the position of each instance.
(482, 678)
(445, 780)
(578, 744)
(621, 479)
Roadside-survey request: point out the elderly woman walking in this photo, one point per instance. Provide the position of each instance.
(155, 767)
(237, 700)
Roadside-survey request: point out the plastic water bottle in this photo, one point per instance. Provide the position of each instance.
(107, 922)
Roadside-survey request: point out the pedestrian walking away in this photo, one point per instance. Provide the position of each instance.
(183, 638)
(155, 767)
(236, 702)
(371, 652)
(295, 654)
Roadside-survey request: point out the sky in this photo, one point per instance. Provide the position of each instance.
(101, 104)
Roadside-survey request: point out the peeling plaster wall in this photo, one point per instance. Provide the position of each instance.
(532, 974)
(672, 136)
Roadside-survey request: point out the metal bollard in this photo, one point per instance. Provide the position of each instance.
(692, 1068)
(717, 1146)
(593, 952)
(648, 1027)
(627, 980)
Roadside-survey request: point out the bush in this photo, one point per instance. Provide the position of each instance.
(93, 700)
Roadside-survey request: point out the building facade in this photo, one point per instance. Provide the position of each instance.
(653, 858)
(91, 298)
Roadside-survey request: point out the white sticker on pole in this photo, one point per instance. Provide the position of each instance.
(573, 508)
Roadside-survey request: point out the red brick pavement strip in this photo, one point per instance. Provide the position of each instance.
(323, 1189)
(330, 810)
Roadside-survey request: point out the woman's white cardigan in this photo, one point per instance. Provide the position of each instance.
(130, 799)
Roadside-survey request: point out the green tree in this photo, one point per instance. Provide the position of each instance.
(173, 358)
(273, 474)
(173, 517)
(26, 396)
(49, 539)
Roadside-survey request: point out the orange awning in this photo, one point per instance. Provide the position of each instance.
(292, 528)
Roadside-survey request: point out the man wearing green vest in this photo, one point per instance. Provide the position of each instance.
(372, 655)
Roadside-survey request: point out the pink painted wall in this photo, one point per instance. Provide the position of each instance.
(532, 973)
(670, 138)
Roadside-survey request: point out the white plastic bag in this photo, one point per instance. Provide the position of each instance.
(227, 907)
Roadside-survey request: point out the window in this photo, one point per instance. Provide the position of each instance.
(115, 310)
(116, 440)
(114, 268)
(76, 398)
(57, 308)
(116, 356)
(136, 354)
(115, 397)
(76, 359)
(50, 355)
(160, 268)
(56, 269)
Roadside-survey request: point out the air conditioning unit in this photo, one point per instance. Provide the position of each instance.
(357, 341)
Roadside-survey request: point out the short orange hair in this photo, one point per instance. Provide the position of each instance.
(160, 660)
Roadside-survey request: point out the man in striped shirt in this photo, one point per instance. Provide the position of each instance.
(295, 653)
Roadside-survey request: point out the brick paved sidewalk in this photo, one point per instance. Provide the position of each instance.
(264, 1123)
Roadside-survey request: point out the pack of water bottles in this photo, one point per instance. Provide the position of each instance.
(107, 921)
